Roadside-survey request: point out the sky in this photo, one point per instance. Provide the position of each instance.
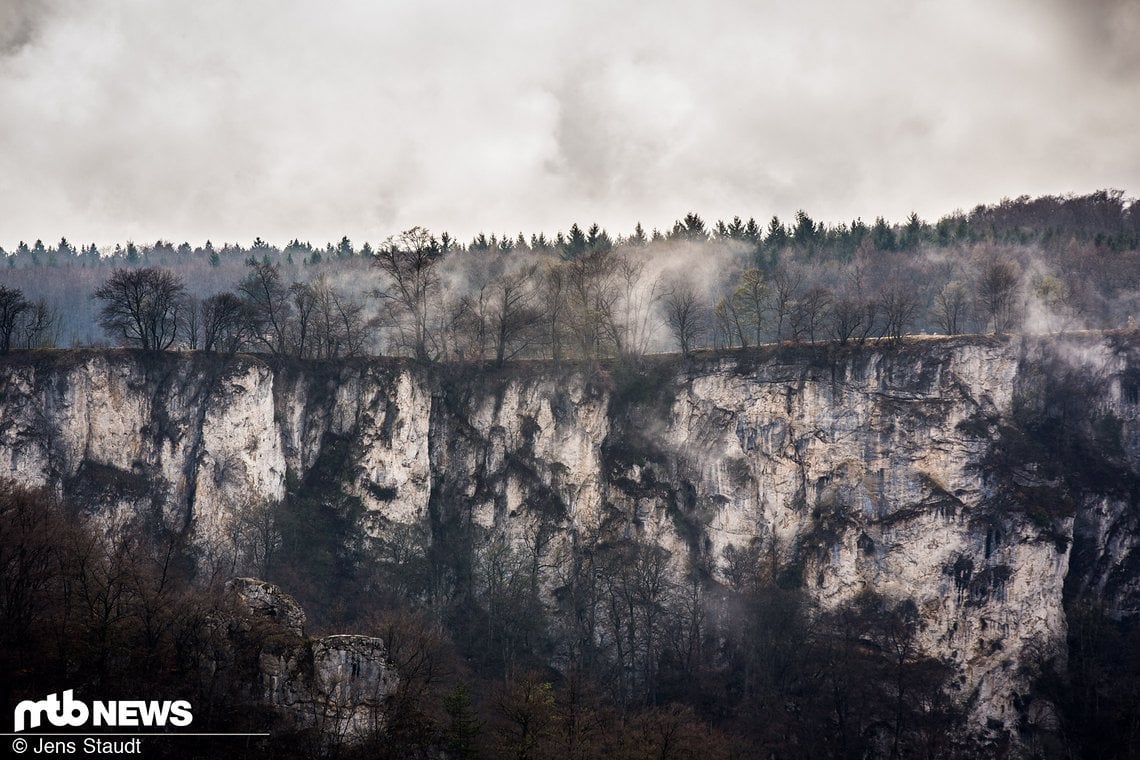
(194, 119)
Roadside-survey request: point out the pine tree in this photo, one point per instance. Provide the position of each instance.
(463, 729)
(882, 236)
(777, 234)
(344, 248)
(637, 239)
(576, 243)
(597, 239)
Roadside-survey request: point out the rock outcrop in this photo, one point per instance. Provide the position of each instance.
(336, 683)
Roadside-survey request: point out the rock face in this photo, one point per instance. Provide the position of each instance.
(266, 601)
(336, 683)
(983, 479)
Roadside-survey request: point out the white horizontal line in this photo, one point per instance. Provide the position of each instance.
(96, 736)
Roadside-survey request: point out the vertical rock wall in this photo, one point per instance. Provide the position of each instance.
(891, 470)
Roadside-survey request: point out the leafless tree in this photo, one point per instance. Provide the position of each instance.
(12, 308)
(304, 297)
(951, 308)
(749, 303)
(411, 295)
(525, 717)
(420, 651)
(848, 316)
(997, 293)
(256, 537)
(592, 296)
(810, 313)
(513, 312)
(468, 322)
(39, 326)
(269, 308)
(638, 584)
(554, 307)
(899, 303)
(637, 297)
(683, 314)
(192, 322)
(787, 280)
(143, 307)
(1055, 304)
(225, 319)
(861, 310)
(729, 328)
(351, 324)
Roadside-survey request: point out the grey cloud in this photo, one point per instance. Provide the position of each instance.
(19, 20)
(281, 119)
(1107, 30)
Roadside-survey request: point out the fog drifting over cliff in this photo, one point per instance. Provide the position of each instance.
(126, 119)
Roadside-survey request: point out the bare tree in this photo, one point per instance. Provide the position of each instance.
(899, 303)
(421, 652)
(848, 316)
(730, 328)
(859, 311)
(951, 308)
(636, 298)
(786, 283)
(351, 331)
(468, 324)
(39, 326)
(810, 313)
(304, 296)
(192, 322)
(411, 295)
(225, 319)
(683, 314)
(554, 306)
(513, 313)
(142, 307)
(592, 296)
(749, 303)
(12, 307)
(255, 536)
(269, 309)
(638, 581)
(1053, 299)
(325, 323)
(997, 293)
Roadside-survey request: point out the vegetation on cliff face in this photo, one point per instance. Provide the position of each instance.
(117, 614)
(721, 672)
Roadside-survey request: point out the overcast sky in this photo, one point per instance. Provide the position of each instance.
(195, 119)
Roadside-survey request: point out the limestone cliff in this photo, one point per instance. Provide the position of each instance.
(984, 479)
(335, 683)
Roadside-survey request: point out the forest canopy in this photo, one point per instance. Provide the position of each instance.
(1044, 264)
